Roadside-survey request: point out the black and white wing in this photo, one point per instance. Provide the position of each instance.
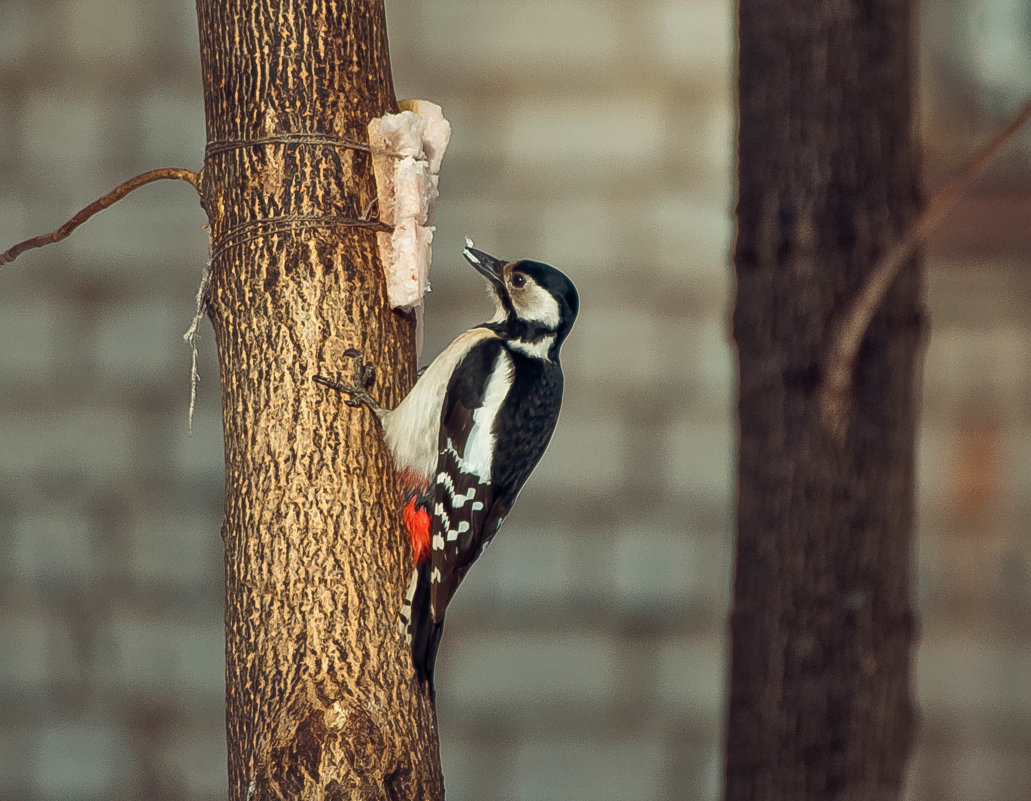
(468, 508)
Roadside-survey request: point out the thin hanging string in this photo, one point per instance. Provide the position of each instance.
(191, 339)
(255, 229)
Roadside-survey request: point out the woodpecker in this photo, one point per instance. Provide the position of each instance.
(467, 436)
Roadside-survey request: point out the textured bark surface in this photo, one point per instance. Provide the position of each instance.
(321, 696)
(822, 627)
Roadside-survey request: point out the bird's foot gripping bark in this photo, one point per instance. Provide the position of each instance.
(358, 392)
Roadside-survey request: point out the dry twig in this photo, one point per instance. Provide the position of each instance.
(840, 361)
(112, 197)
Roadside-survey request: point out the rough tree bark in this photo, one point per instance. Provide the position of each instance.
(822, 626)
(321, 698)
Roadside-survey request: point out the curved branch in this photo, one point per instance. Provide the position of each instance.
(840, 363)
(112, 197)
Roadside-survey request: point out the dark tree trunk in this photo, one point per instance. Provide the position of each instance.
(321, 697)
(822, 626)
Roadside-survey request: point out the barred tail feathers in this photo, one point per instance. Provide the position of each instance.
(418, 625)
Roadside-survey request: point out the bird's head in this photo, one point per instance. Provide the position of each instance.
(536, 304)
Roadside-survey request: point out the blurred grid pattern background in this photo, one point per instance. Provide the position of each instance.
(584, 656)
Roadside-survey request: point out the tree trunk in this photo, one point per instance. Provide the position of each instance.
(321, 699)
(822, 626)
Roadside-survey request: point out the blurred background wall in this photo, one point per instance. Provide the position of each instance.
(584, 656)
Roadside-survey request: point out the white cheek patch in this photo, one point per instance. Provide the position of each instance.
(536, 305)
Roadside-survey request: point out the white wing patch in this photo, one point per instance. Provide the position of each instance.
(411, 430)
(479, 446)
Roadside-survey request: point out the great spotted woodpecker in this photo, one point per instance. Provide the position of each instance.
(467, 436)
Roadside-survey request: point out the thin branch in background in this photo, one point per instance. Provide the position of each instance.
(112, 197)
(840, 363)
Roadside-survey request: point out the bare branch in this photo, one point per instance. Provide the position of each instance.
(840, 362)
(112, 197)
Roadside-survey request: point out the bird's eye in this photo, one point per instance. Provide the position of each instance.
(518, 281)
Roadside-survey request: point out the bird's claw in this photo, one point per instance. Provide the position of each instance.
(358, 392)
(364, 374)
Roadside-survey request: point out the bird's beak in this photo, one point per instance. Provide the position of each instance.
(485, 264)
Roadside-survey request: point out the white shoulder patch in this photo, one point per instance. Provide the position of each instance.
(412, 428)
(479, 447)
